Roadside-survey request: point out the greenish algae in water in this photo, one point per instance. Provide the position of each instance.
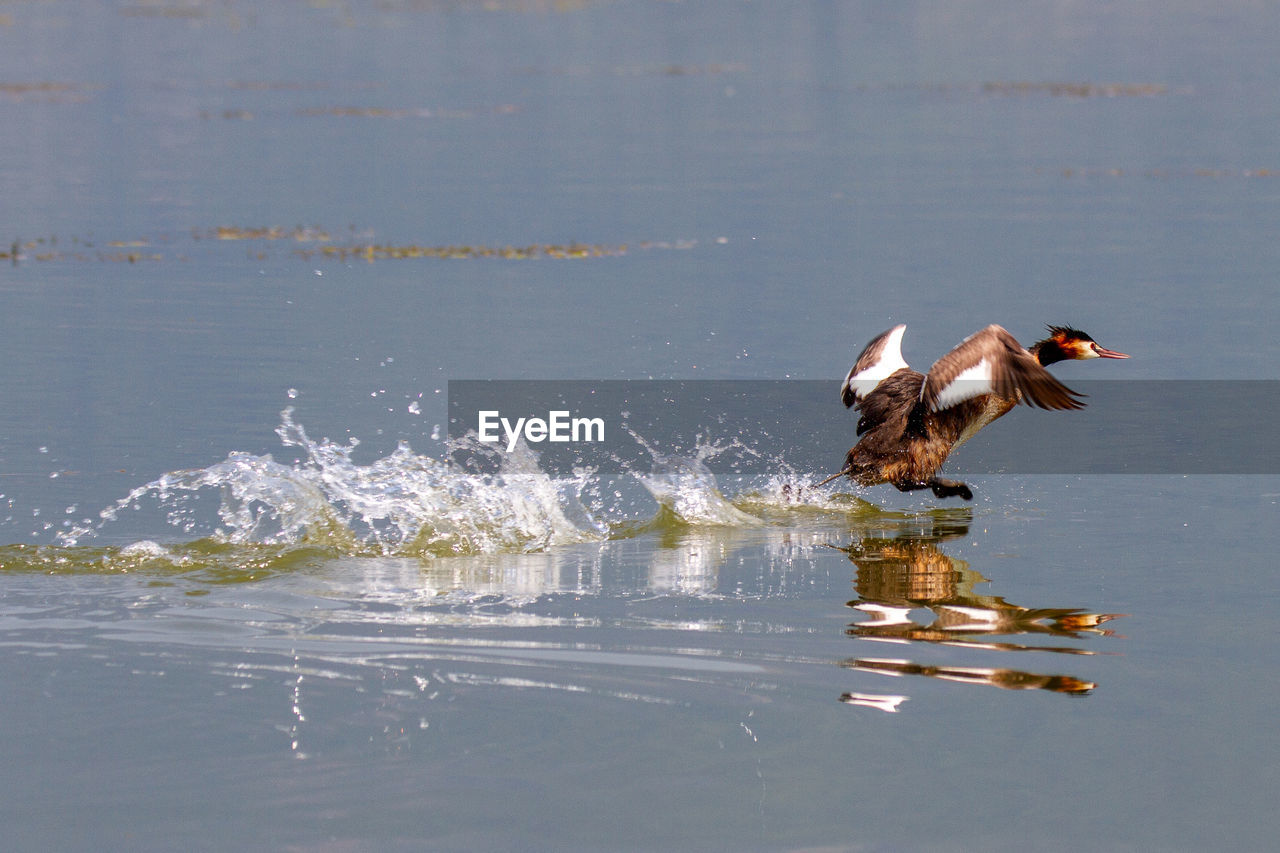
(206, 561)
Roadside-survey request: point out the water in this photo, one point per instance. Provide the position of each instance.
(247, 604)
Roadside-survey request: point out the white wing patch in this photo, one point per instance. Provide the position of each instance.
(969, 383)
(890, 362)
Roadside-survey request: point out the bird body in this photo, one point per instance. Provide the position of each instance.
(910, 421)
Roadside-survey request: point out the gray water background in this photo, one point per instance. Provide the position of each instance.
(788, 179)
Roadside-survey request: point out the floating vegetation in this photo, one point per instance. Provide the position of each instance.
(229, 115)
(29, 88)
(1014, 88)
(412, 112)
(240, 114)
(354, 246)
(1089, 172)
(128, 257)
(280, 86)
(54, 91)
(51, 91)
(365, 112)
(667, 70)
(535, 6)
(1076, 90)
(375, 253)
(149, 10)
(303, 234)
(693, 70)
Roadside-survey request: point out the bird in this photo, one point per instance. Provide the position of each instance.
(910, 421)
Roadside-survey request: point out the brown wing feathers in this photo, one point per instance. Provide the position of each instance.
(992, 361)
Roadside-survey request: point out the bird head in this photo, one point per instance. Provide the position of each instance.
(1065, 343)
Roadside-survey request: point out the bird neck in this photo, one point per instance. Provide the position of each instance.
(1048, 351)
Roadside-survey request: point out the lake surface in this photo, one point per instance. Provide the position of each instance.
(258, 592)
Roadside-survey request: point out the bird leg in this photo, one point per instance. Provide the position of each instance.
(942, 488)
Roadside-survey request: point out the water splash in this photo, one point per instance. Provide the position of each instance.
(402, 504)
(411, 505)
(686, 490)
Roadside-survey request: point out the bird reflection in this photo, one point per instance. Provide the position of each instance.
(901, 573)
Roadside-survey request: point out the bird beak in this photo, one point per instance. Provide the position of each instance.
(1103, 352)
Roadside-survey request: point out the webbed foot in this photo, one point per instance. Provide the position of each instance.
(950, 488)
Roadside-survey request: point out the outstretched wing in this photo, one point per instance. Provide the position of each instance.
(880, 360)
(993, 362)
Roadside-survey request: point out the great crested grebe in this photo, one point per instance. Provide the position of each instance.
(911, 421)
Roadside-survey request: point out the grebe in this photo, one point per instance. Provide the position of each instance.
(911, 421)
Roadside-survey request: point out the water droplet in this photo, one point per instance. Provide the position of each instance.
(293, 393)
(435, 432)
(414, 408)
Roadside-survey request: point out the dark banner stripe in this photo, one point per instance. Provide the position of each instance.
(1128, 427)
